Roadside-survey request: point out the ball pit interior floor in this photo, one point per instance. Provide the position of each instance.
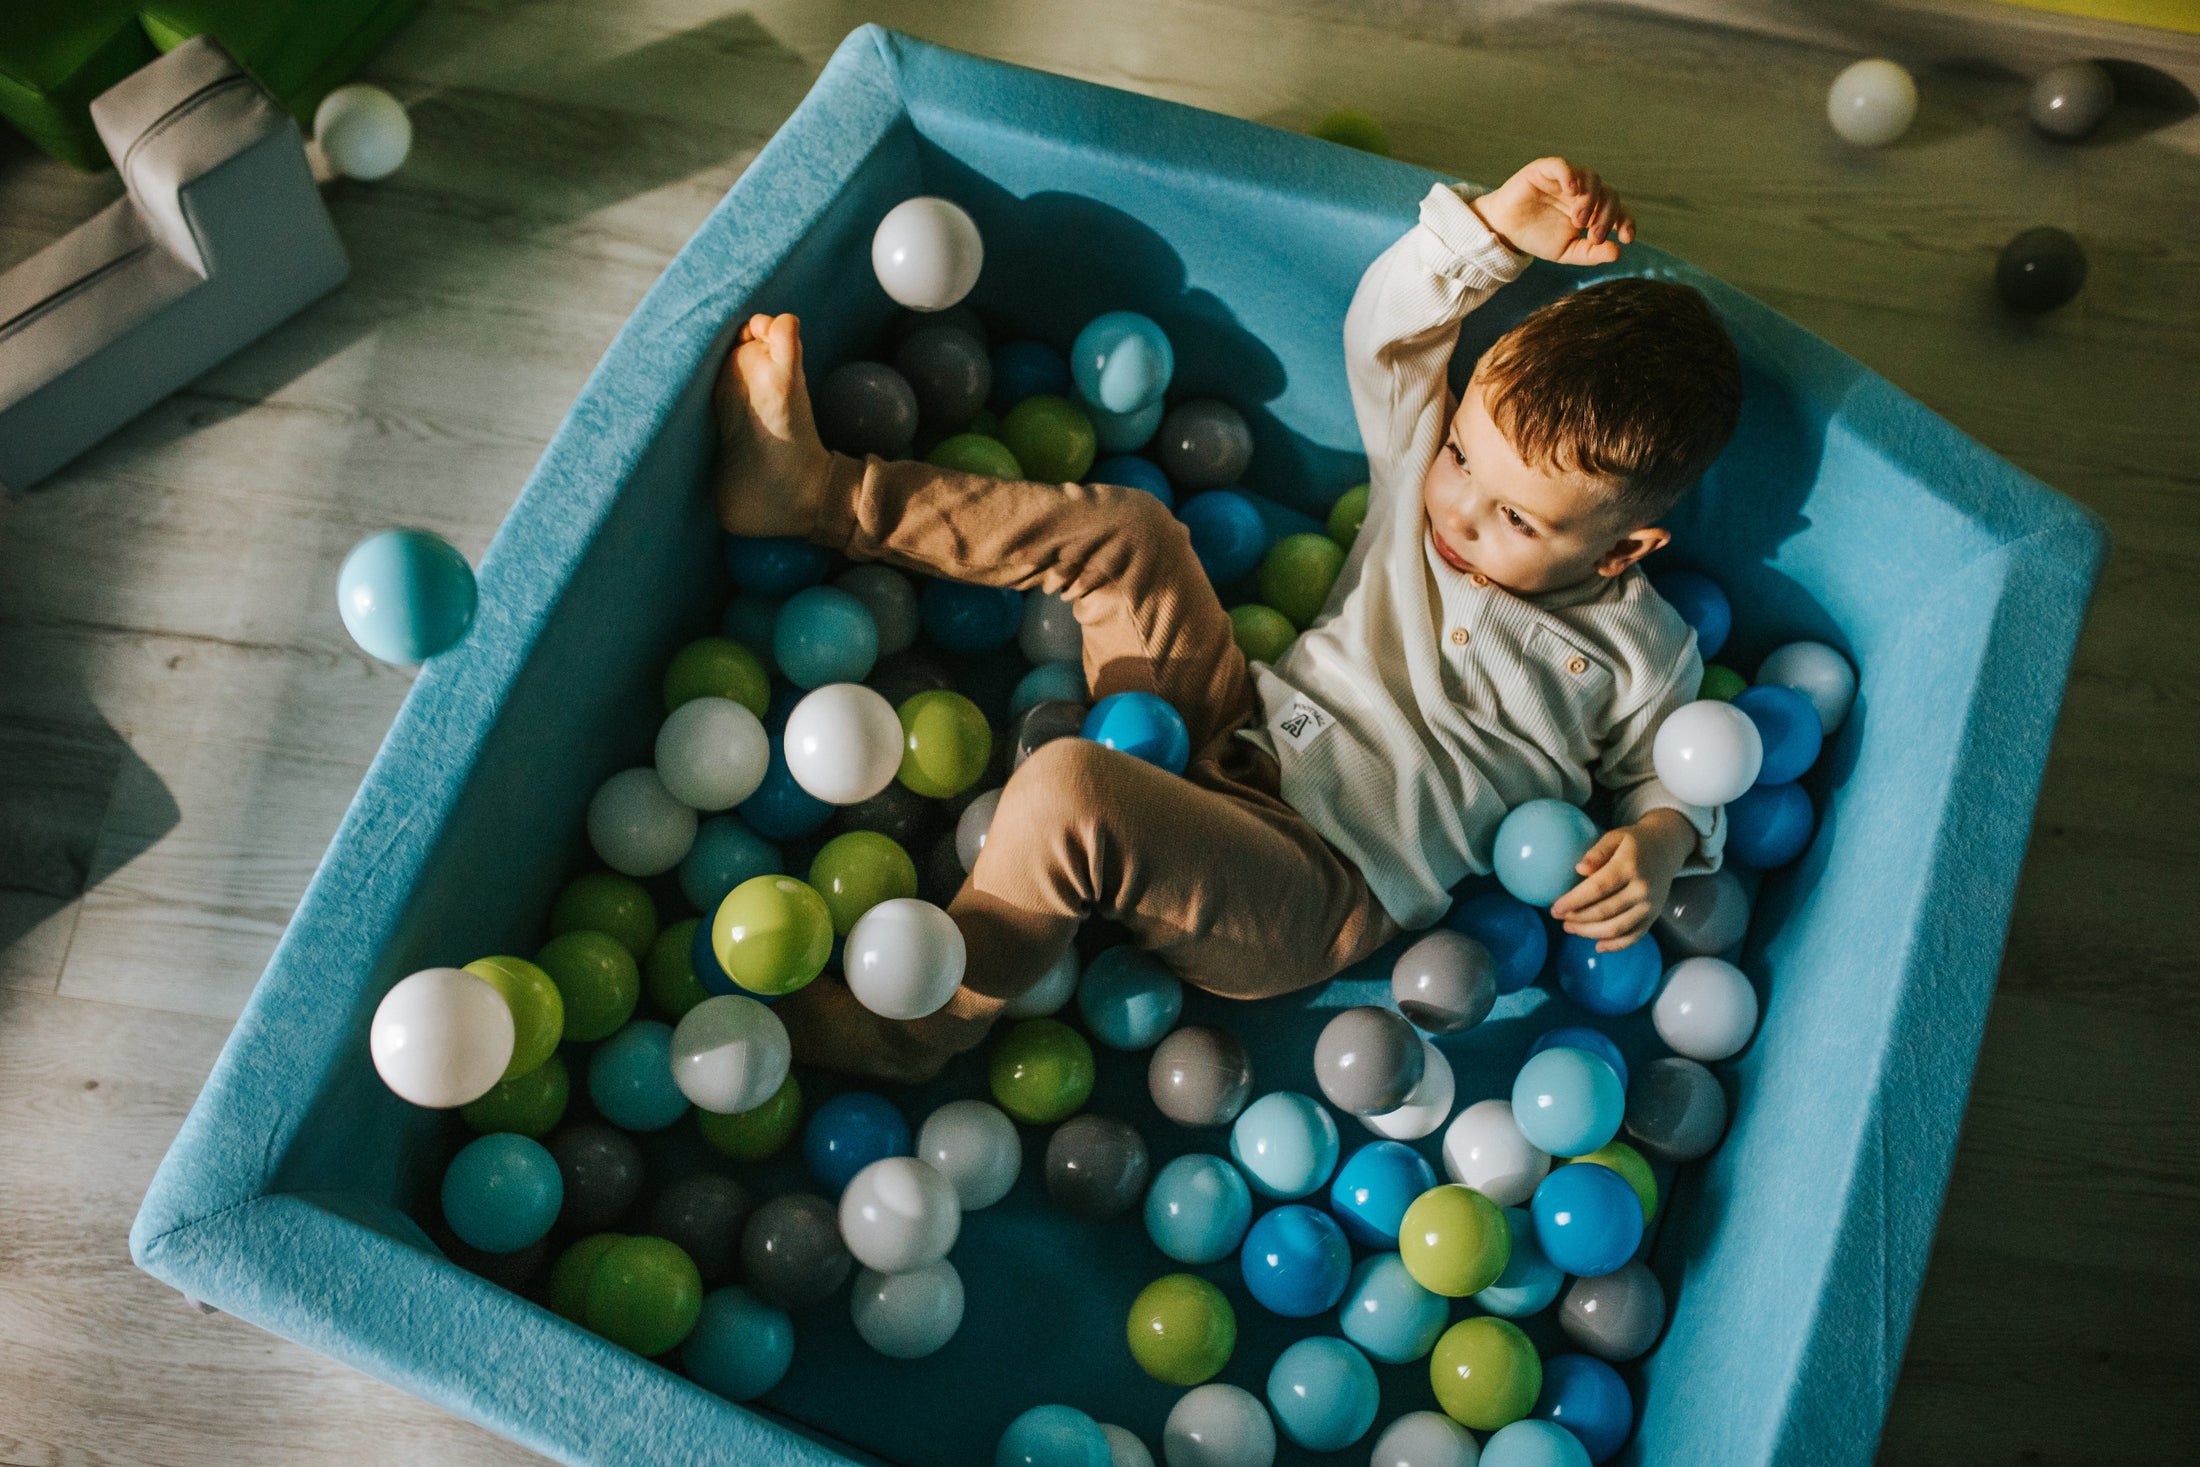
(182, 720)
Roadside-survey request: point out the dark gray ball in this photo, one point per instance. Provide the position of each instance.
(1446, 983)
(866, 407)
(940, 871)
(1200, 1076)
(950, 372)
(703, 1213)
(1703, 916)
(2069, 101)
(1203, 444)
(897, 812)
(602, 1168)
(1043, 723)
(1675, 1109)
(1096, 1166)
(901, 677)
(2040, 269)
(961, 316)
(791, 1252)
(1368, 1060)
(1616, 1316)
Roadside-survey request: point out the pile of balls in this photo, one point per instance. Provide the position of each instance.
(822, 733)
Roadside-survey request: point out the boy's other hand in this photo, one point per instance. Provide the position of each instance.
(1555, 211)
(1630, 871)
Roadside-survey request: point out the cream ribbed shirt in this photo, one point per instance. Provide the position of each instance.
(1424, 703)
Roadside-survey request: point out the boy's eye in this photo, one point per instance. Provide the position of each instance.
(1456, 456)
(1512, 517)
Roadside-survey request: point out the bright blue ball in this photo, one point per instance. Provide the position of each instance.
(1611, 983)
(971, 619)
(1198, 1209)
(1588, 1221)
(1769, 825)
(1052, 1436)
(1530, 1281)
(1121, 432)
(775, 565)
(1228, 535)
(709, 971)
(1538, 845)
(405, 595)
(781, 809)
(1142, 726)
(1567, 1101)
(824, 635)
(1024, 369)
(1533, 1443)
(1122, 362)
(502, 1193)
(1374, 1188)
(1134, 472)
(753, 621)
(740, 1346)
(1588, 1398)
(1512, 931)
(1701, 604)
(848, 1133)
(1296, 1261)
(1576, 1036)
(725, 854)
(1128, 998)
(1787, 725)
(1323, 1393)
(1049, 682)
(1388, 1314)
(630, 1078)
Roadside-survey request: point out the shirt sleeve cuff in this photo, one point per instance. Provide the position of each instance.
(1710, 822)
(1480, 252)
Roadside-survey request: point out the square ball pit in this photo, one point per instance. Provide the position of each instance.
(1844, 510)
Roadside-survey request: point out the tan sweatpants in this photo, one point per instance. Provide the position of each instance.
(1209, 870)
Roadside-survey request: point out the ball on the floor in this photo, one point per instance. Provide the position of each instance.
(630, 1078)
(1788, 730)
(1286, 1142)
(1143, 726)
(1629, 1163)
(968, 619)
(1200, 1076)
(730, 1054)
(1707, 752)
(756, 1135)
(908, 1315)
(857, 870)
(740, 1346)
(1580, 1036)
(1354, 129)
(1539, 844)
(1043, 723)
(1129, 998)
(1227, 533)
(927, 253)
(1533, 1443)
(976, 1147)
(528, 1105)
(792, 1255)
(772, 934)
(1026, 368)
(905, 958)
(1133, 472)
(863, 408)
(1820, 674)
(1096, 1166)
(1567, 1101)
(949, 371)
(363, 131)
(1872, 102)
(636, 825)
(1427, 1108)
(1486, 1373)
(501, 1193)
(1706, 1011)
(824, 635)
(2068, 101)
(1323, 1393)
(1050, 631)
(1388, 1315)
(1181, 1329)
(1373, 1189)
(1530, 1281)
(405, 595)
(1720, 683)
(1426, 1439)
(703, 1213)
(1676, 1110)
(712, 753)
(843, 743)
(1769, 825)
(898, 1214)
(1347, 515)
(1512, 931)
(975, 453)
(1198, 1209)
(538, 1009)
(848, 1133)
(1204, 443)
(1704, 915)
(1261, 632)
(442, 1038)
(604, 901)
(1485, 1149)
(892, 601)
(645, 1294)
(2040, 269)
(1367, 1060)
(602, 1170)
(1295, 1261)
(1446, 983)
(1613, 983)
(1615, 1317)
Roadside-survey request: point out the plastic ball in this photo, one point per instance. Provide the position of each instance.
(1512, 931)
(911, 1314)
(740, 1346)
(529, 1104)
(1484, 1149)
(405, 595)
(1218, 1425)
(1050, 995)
(1706, 1011)
(715, 667)
(630, 1078)
(1615, 1317)
(1129, 999)
(927, 253)
(974, 1146)
(2040, 269)
(1628, 1162)
(1052, 1436)
(569, 1276)
(1704, 915)
(538, 1010)
(730, 1054)
(703, 1213)
(1787, 729)
(1701, 603)
(1587, 1397)
(1296, 1261)
(726, 853)
(1227, 533)
(843, 744)
(975, 453)
(1204, 443)
(602, 1172)
(1720, 684)
(864, 408)
(755, 1135)
(856, 871)
(1297, 573)
(1049, 682)
(1532, 1443)
(1707, 752)
(1387, 1314)
(772, 934)
(945, 743)
(972, 827)
(645, 1294)
(1676, 1110)
(1578, 1036)
(1373, 1189)
(1119, 432)
(1043, 723)
(1426, 1439)
(1096, 1166)
(2069, 101)
(1446, 983)
(1050, 630)
(1346, 516)
(1871, 103)
(1530, 1281)
(1133, 472)
(775, 565)
(904, 958)
(898, 1214)
(1588, 1220)
(1323, 1393)
(1124, 1449)
(1538, 845)
(850, 1132)
(1026, 368)
(442, 1038)
(1041, 1071)
(896, 813)
(1454, 1241)
(1261, 632)
(363, 131)
(1143, 726)
(970, 619)
(1486, 1373)
(1567, 1101)
(1367, 1060)
(950, 373)
(712, 753)
(892, 601)
(1286, 1144)
(791, 1251)
(825, 635)
(1819, 673)
(1426, 1108)
(1200, 1076)
(1181, 1329)
(750, 621)
(1354, 129)
(1612, 983)
(1122, 361)
(636, 825)
(1769, 825)
(501, 1193)
(1198, 1209)
(604, 901)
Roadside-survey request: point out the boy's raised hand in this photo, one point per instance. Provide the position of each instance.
(1555, 211)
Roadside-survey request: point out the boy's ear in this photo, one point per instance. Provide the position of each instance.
(1631, 547)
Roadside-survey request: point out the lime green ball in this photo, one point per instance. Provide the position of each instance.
(772, 934)
(1355, 129)
(857, 871)
(985, 422)
(755, 1135)
(1720, 682)
(1454, 1241)
(1263, 633)
(669, 971)
(1182, 1329)
(1041, 1071)
(538, 1013)
(945, 743)
(974, 453)
(1051, 437)
(605, 901)
(570, 1275)
(1347, 515)
(598, 979)
(1628, 1162)
(1486, 1373)
(530, 1104)
(644, 1294)
(718, 667)
(1296, 574)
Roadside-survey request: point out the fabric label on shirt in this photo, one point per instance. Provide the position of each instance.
(1301, 722)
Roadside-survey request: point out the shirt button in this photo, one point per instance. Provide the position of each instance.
(1458, 636)
(1578, 666)
(1479, 579)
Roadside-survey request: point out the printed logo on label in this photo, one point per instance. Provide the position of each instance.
(1302, 722)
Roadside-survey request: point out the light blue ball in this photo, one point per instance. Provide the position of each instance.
(1286, 1143)
(1198, 1209)
(782, 809)
(405, 595)
(1052, 1436)
(1143, 726)
(1374, 1188)
(740, 1346)
(1537, 848)
(1612, 983)
(502, 1192)
(725, 854)
(1128, 998)
(1227, 532)
(1049, 682)
(970, 619)
(630, 1078)
(775, 565)
(1134, 472)
(1769, 825)
(753, 621)
(1577, 1036)
(1122, 361)
(1390, 1316)
(1296, 1261)
(1567, 1101)
(1787, 726)
(1588, 1220)
(1530, 1281)
(1121, 432)
(1323, 1393)
(824, 635)
(1533, 1443)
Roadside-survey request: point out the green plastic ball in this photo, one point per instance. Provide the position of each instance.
(945, 743)
(1454, 1241)
(1041, 1071)
(984, 422)
(1486, 1373)
(772, 934)
(531, 1104)
(605, 901)
(669, 970)
(974, 453)
(1355, 129)
(1181, 1329)
(756, 1135)
(538, 1013)
(1051, 437)
(1296, 574)
(1262, 633)
(718, 667)
(1720, 682)
(644, 1294)
(570, 1275)
(856, 871)
(598, 979)
(1629, 1163)
(1347, 515)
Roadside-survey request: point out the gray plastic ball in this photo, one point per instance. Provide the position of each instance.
(950, 372)
(898, 679)
(866, 407)
(1042, 723)
(1096, 1166)
(602, 1169)
(962, 317)
(1704, 915)
(1446, 983)
(1616, 1316)
(2069, 101)
(1675, 1109)
(2040, 269)
(1368, 1060)
(940, 871)
(792, 1253)
(1203, 444)
(703, 1213)
(897, 812)
(1200, 1076)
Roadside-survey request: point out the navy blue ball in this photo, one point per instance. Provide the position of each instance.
(1611, 983)
(1588, 1221)
(969, 619)
(1578, 1036)
(1769, 826)
(849, 1132)
(1701, 604)
(1227, 533)
(1296, 1261)
(775, 565)
(781, 809)
(1134, 472)
(1512, 931)
(1588, 1398)
(1788, 727)
(1024, 369)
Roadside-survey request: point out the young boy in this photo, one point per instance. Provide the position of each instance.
(1490, 641)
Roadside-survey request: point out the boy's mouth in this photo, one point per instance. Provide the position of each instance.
(1447, 555)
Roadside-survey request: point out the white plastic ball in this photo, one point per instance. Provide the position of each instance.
(976, 1147)
(363, 131)
(971, 827)
(927, 253)
(1706, 1009)
(1217, 1425)
(730, 1053)
(1427, 1108)
(843, 743)
(1425, 1439)
(712, 753)
(637, 826)
(1125, 1449)
(899, 1214)
(1817, 672)
(441, 1038)
(904, 958)
(1872, 103)
(892, 602)
(1056, 986)
(908, 1315)
(1707, 752)
(1484, 1150)
(1051, 631)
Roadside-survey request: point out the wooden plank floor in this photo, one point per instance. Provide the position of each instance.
(182, 719)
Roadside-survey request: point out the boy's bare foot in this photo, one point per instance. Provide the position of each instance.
(772, 467)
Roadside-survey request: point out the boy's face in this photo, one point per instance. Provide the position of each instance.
(1490, 513)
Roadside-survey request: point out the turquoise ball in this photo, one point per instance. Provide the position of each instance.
(405, 595)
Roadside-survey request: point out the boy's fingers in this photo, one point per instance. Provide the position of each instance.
(1623, 925)
(1626, 899)
(1596, 889)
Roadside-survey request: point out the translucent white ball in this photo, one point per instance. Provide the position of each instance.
(908, 1315)
(1817, 672)
(904, 958)
(1427, 1108)
(1217, 1425)
(976, 1147)
(363, 131)
(1484, 1150)
(843, 743)
(1426, 1439)
(441, 1038)
(892, 602)
(1055, 988)
(730, 1054)
(1124, 1449)
(927, 253)
(1051, 631)
(712, 753)
(637, 826)
(1872, 103)
(1707, 752)
(1706, 1009)
(899, 1214)
(972, 825)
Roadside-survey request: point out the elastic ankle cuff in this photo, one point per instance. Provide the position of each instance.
(837, 521)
